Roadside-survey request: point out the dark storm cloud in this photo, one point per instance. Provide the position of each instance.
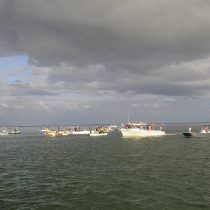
(128, 40)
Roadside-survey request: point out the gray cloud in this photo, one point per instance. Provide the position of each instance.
(118, 34)
(181, 79)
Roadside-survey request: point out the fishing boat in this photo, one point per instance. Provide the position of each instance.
(99, 131)
(140, 130)
(52, 133)
(205, 130)
(97, 134)
(14, 131)
(188, 134)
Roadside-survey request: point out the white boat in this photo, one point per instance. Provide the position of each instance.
(96, 134)
(99, 131)
(14, 131)
(205, 130)
(140, 130)
(51, 133)
(9, 131)
(189, 133)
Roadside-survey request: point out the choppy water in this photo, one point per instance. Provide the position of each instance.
(104, 173)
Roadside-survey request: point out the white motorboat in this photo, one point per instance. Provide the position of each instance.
(14, 131)
(52, 133)
(96, 134)
(205, 130)
(99, 131)
(189, 133)
(140, 130)
(9, 131)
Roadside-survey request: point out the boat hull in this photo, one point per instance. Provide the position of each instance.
(205, 132)
(52, 133)
(4, 134)
(85, 132)
(187, 134)
(98, 134)
(136, 132)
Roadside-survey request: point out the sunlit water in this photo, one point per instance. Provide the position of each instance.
(109, 172)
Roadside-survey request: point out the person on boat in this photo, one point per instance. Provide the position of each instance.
(148, 127)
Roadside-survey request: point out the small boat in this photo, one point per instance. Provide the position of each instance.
(96, 134)
(52, 133)
(205, 130)
(140, 130)
(99, 131)
(14, 131)
(189, 134)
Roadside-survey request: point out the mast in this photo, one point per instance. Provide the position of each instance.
(128, 117)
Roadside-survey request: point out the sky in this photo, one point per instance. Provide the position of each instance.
(95, 61)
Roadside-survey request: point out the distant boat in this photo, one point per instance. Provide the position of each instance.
(9, 131)
(99, 131)
(96, 134)
(140, 130)
(205, 130)
(14, 131)
(190, 134)
(52, 133)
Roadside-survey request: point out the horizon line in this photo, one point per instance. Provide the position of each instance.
(96, 124)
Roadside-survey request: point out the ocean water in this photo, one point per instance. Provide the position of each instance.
(104, 173)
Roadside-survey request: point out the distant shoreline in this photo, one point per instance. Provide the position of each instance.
(107, 124)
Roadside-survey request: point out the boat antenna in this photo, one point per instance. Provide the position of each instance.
(128, 116)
